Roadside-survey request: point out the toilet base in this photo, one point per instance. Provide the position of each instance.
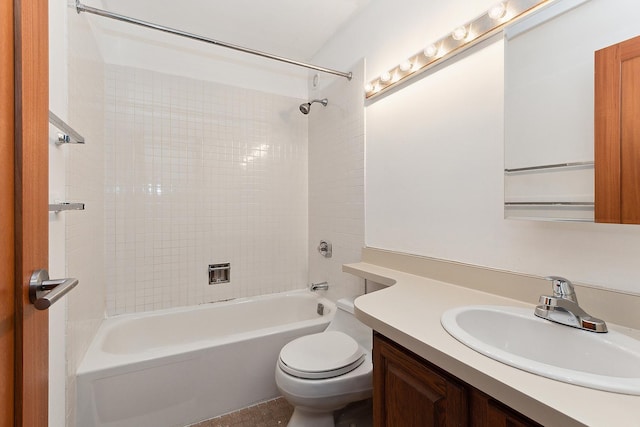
(305, 418)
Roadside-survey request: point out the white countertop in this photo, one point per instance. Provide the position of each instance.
(409, 312)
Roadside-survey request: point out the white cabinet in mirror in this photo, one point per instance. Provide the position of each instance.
(549, 106)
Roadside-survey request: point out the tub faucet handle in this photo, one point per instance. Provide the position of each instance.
(325, 248)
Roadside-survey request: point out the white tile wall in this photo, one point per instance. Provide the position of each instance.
(336, 182)
(84, 179)
(199, 173)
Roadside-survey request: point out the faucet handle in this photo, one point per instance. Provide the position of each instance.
(562, 288)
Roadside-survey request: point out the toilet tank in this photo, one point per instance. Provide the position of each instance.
(345, 321)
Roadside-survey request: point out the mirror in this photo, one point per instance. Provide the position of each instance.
(549, 105)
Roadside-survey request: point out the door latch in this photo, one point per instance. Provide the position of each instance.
(44, 292)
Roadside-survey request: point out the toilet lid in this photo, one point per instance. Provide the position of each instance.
(324, 355)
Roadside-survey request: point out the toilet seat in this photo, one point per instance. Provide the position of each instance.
(324, 355)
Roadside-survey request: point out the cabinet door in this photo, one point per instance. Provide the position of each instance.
(410, 392)
(488, 412)
(500, 416)
(617, 133)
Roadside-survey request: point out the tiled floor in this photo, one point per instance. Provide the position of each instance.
(276, 413)
(356, 414)
(273, 413)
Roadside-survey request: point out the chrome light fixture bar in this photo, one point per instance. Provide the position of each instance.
(460, 39)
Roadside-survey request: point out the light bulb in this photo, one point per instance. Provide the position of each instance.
(385, 77)
(430, 51)
(459, 33)
(405, 65)
(498, 11)
(368, 87)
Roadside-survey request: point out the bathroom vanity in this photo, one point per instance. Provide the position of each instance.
(424, 376)
(411, 391)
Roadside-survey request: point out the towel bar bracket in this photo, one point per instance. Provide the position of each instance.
(69, 135)
(65, 206)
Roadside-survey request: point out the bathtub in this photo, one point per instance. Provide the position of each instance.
(179, 366)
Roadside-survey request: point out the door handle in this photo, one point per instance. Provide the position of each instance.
(44, 292)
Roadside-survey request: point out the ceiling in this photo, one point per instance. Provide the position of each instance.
(296, 29)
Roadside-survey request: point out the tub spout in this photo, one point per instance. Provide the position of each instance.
(322, 286)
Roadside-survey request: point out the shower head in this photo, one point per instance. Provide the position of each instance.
(306, 107)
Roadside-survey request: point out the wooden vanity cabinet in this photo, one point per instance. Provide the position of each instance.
(408, 391)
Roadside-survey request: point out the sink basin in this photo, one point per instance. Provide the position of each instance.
(515, 336)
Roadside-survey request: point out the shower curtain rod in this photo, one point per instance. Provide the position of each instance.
(84, 8)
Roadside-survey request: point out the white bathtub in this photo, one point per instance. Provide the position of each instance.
(180, 366)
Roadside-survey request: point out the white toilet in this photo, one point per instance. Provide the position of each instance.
(321, 373)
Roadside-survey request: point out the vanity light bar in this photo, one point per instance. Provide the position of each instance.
(457, 41)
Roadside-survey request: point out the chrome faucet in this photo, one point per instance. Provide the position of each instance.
(563, 307)
(322, 286)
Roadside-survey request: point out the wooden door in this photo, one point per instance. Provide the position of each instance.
(7, 259)
(409, 392)
(24, 330)
(617, 133)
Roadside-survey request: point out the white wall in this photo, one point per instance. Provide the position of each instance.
(75, 250)
(84, 183)
(434, 180)
(130, 46)
(336, 181)
(200, 173)
(57, 224)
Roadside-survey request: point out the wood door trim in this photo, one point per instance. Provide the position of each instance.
(31, 200)
(7, 257)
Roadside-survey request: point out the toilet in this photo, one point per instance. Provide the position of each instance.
(321, 373)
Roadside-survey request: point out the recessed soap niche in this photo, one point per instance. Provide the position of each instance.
(219, 273)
